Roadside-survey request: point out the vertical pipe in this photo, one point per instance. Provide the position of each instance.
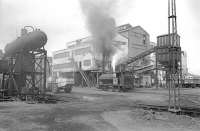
(169, 21)
(157, 69)
(168, 70)
(73, 76)
(45, 69)
(3, 84)
(167, 84)
(175, 20)
(169, 88)
(177, 58)
(33, 73)
(97, 79)
(173, 74)
(103, 62)
(3, 81)
(181, 80)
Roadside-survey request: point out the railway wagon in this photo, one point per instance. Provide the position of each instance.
(191, 83)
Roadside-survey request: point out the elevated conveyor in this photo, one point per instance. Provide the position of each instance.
(140, 56)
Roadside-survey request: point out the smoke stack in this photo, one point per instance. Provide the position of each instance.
(101, 25)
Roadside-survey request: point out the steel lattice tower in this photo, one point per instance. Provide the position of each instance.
(174, 71)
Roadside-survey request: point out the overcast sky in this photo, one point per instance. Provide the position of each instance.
(63, 21)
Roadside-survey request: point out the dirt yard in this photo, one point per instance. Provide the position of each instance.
(89, 109)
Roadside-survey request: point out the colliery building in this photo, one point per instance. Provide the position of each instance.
(81, 53)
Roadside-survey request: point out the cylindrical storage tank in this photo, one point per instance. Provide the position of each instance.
(24, 63)
(4, 66)
(30, 41)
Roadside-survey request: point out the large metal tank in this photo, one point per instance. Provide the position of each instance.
(24, 63)
(27, 42)
(4, 66)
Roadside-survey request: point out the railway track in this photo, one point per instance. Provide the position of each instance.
(190, 111)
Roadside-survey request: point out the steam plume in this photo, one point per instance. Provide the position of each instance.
(101, 25)
(119, 57)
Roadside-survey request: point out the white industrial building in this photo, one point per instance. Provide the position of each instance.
(82, 53)
(135, 39)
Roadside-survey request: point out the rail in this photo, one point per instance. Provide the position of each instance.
(190, 111)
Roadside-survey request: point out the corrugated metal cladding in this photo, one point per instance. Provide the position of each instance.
(163, 40)
(164, 55)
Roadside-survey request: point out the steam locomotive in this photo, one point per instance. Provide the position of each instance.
(120, 80)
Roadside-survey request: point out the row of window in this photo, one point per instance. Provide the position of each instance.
(66, 74)
(81, 51)
(70, 65)
(124, 27)
(64, 65)
(61, 55)
(87, 62)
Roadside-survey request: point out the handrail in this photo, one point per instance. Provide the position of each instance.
(87, 81)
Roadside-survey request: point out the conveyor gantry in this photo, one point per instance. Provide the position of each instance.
(141, 55)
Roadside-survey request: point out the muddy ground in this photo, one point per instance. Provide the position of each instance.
(90, 109)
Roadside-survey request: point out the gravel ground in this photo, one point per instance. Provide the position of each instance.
(88, 109)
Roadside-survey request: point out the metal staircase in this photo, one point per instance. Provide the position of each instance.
(85, 77)
(83, 74)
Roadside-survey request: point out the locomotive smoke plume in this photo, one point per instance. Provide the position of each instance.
(119, 57)
(101, 25)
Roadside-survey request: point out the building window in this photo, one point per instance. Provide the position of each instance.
(78, 41)
(137, 35)
(144, 39)
(82, 51)
(65, 65)
(87, 62)
(61, 55)
(66, 74)
(71, 46)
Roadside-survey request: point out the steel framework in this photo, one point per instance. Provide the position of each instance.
(23, 78)
(174, 70)
(168, 58)
(37, 78)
